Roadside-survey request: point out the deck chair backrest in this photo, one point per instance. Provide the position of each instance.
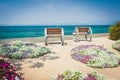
(54, 30)
(54, 33)
(83, 29)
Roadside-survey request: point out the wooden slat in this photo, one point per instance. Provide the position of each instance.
(54, 31)
(83, 29)
(54, 36)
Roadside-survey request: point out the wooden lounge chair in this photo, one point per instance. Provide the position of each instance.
(54, 33)
(86, 31)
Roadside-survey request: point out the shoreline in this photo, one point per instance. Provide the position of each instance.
(41, 39)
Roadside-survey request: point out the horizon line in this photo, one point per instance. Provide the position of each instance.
(54, 24)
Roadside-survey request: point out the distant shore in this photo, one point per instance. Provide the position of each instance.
(41, 39)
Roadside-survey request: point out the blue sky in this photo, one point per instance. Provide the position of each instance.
(57, 12)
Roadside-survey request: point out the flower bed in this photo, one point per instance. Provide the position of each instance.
(8, 71)
(95, 56)
(76, 75)
(116, 45)
(21, 50)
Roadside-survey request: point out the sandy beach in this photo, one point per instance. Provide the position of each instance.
(60, 60)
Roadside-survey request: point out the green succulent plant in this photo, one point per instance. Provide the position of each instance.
(96, 56)
(77, 75)
(115, 31)
(21, 50)
(116, 45)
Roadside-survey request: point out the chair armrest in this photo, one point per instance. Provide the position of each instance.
(90, 30)
(45, 32)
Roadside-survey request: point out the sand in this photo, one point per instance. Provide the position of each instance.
(59, 60)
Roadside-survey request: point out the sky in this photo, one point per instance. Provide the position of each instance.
(59, 12)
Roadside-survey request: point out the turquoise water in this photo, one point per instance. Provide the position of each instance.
(7, 32)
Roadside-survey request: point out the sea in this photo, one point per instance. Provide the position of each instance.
(9, 32)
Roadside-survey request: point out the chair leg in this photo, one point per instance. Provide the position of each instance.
(90, 38)
(62, 41)
(46, 39)
(76, 38)
(86, 37)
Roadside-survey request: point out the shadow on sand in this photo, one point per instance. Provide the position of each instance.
(34, 62)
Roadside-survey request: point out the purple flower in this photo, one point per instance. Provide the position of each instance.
(8, 71)
(90, 77)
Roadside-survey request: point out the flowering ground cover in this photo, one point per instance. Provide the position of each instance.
(8, 71)
(22, 50)
(95, 56)
(116, 45)
(76, 75)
